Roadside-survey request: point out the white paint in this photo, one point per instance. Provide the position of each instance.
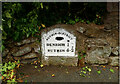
(53, 47)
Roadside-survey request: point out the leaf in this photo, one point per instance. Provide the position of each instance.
(82, 21)
(41, 65)
(13, 80)
(77, 19)
(71, 21)
(35, 66)
(84, 72)
(18, 65)
(98, 72)
(5, 64)
(43, 25)
(3, 47)
(53, 75)
(83, 68)
(9, 23)
(16, 35)
(89, 69)
(9, 67)
(67, 72)
(112, 70)
(8, 15)
(41, 4)
(1, 28)
(0, 77)
(18, 61)
(28, 35)
(9, 63)
(88, 22)
(8, 81)
(86, 67)
(20, 80)
(5, 75)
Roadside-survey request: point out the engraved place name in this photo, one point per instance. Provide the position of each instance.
(56, 50)
(55, 44)
(59, 50)
(60, 33)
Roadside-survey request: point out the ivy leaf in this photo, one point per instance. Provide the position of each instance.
(18, 61)
(41, 4)
(28, 35)
(8, 15)
(71, 21)
(8, 81)
(3, 47)
(82, 21)
(5, 75)
(16, 36)
(77, 19)
(9, 63)
(9, 23)
(88, 22)
(9, 67)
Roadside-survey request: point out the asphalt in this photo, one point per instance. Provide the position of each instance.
(31, 73)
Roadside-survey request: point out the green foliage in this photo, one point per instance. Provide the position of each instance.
(81, 55)
(22, 20)
(85, 71)
(8, 73)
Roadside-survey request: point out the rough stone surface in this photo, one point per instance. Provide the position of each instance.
(26, 41)
(27, 61)
(81, 29)
(29, 56)
(66, 61)
(22, 51)
(97, 51)
(17, 58)
(5, 52)
(115, 51)
(112, 6)
(114, 61)
(37, 48)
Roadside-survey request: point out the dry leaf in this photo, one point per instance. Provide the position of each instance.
(41, 65)
(53, 75)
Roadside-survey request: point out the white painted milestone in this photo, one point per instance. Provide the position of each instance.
(58, 42)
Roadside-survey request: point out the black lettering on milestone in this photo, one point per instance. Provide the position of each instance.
(58, 44)
(53, 44)
(63, 50)
(59, 33)
(63, 44)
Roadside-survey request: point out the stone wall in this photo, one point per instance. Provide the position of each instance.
(100, 42)
(100, 45)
